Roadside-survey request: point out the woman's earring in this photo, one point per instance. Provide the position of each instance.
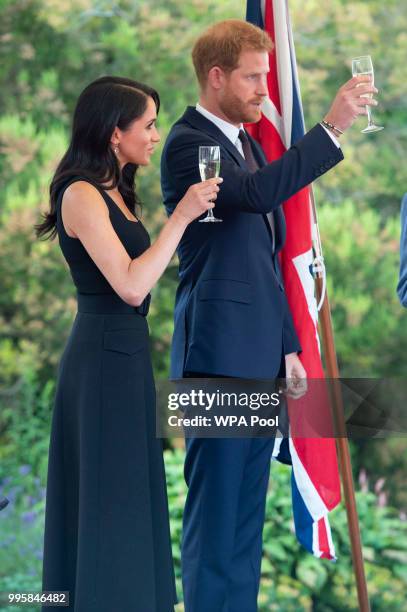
(116, 149)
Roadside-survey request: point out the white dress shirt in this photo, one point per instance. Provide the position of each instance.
(232, 133)
(230, 130)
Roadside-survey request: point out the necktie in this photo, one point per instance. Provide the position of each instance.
(247, 151)
(253, 166)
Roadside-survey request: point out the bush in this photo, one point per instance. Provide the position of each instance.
(291, 578)
(21, 535)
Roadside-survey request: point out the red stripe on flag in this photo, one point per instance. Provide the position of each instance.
(266, 134)
(298, 236)
(323, 540)
(318, 454)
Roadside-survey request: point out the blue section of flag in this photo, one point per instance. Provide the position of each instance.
(302, 518)
(253, 13)
(298, 128)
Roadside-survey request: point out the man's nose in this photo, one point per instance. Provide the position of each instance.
(262, 89)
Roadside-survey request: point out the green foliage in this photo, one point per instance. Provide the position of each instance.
(24, 427)
(21, 537)
(24, 431)
(327, 37)
(384, 461)
(291, 578)
(50, 49)
(361, 261)
(36, 301)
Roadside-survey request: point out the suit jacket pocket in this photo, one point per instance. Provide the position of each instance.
(225, 289)
(128, 341)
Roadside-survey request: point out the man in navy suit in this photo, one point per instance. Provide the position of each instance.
(231, 314)
(402, 285)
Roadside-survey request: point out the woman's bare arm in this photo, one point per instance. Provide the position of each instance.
(86, 216)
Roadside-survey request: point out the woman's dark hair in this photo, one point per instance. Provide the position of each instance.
(104, 104)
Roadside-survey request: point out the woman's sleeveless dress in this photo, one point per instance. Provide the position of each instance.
(107, 538)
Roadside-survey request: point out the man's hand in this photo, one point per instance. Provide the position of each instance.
(296, 376)
(349, 104)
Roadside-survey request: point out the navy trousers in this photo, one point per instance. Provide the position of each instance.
(223, 521)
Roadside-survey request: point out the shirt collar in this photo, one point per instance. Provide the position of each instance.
(230, 130)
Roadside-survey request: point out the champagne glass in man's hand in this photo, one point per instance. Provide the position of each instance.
(209, 167)
(349, 103)
(364, 66)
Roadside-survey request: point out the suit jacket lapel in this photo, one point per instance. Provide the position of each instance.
(277, 214)
(201, 123)
(257, 151)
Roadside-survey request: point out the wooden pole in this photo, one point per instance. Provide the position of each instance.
(332, 371)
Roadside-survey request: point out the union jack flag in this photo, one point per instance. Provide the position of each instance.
(315, 476)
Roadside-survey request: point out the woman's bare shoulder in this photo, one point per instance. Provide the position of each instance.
(84, 198)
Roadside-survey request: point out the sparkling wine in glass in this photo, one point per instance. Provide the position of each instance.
(364, 65)
(209, 167)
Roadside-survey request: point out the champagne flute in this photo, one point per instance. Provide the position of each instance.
(364, 65)
(209, 167)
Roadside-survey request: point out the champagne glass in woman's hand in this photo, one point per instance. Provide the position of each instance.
(364, 65)
(209, 167)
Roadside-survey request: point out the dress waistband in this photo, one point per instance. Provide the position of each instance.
(110, 303)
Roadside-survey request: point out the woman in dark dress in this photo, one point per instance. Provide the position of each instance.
(107, 538)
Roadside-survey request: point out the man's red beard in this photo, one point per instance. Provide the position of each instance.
(240, 112)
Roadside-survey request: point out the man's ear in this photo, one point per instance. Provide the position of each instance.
(216, 77)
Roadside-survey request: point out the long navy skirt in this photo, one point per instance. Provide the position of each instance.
(107, 538)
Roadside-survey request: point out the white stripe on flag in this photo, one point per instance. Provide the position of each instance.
(276, 448)
(302, 263)
(330, 540)
(284, 71)
(270, 111)
(315, 540)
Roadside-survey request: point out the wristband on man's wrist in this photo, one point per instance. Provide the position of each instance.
(332, 128)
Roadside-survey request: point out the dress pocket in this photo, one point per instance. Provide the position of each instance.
(128, 341)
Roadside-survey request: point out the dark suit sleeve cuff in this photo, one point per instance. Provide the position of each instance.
(336, 151)
(291, 344)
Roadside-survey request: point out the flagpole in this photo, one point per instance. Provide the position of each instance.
(332, 371)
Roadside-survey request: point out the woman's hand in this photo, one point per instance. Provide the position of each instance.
(198, 199)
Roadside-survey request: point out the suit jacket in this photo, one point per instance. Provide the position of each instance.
(402, 285)
(231, 314)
